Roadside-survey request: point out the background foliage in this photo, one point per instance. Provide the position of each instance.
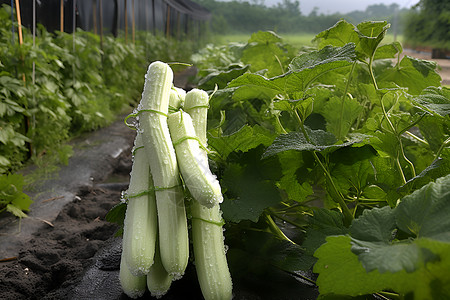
(64, 85)
(428, 24)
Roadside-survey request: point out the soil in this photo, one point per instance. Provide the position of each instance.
(56, 256)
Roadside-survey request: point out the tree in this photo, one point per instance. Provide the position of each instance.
(428, 24)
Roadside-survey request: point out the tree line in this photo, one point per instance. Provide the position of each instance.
(286, 17)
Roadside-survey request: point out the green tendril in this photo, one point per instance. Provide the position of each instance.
(149, 191)
(136, 149)
(180, 64)
(153, 111)
(199, 106)
(177, 142)
(130, 125)
(220, 224)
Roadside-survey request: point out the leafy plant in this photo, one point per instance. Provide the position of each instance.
(12, 199)
(335, 140)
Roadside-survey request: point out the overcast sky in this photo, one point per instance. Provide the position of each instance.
(341, 6)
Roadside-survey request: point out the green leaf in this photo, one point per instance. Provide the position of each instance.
(295, 176)
(247, 193)
(265, 50)
(388, 50)
(249, 185)
(412, 73)
(425, 212)
(15, 211)
(439, 168)
(322, 223)
(243, 140)
(435, 99)
(221, 77)
(340, 115)
(339, 35)
(319, 140)
(333, 56)
(371, 33)
(341, 273)
(302, 73)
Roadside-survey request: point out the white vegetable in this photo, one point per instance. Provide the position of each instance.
(194, 167)
(158, 280)
(207, 233)
(140, 224)
(172, 222)
(133, 286)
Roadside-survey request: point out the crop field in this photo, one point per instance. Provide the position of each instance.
(257, 166)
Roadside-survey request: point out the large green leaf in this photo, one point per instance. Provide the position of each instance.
(425, 213)
(249, 184)
(244, 139)
(265, 50)
(302, 71)
(371, 33)
(435, 99)
(340, 114)
(317, 140)
(295, 180)
(341, 273)
(412, 73)
(339, 35)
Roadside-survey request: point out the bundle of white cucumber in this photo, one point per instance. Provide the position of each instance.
(169, 162)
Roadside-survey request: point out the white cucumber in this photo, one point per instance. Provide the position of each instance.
(196, 105)
(207, 233)
(172, 222)
(133, 286)
(176, 100)
(140, 224)
(193, 163)
(209, 252)
(158, 280)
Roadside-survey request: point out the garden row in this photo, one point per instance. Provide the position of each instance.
(58, 85)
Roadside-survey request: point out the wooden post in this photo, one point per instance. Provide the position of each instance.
(19, 21)
(133, 22)
(168, 21)
(126, 22)
(153, 17)
(94, 15)
(61, 15)
(27, 118)
(101, 23)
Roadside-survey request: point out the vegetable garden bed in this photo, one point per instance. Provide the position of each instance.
(333, 164)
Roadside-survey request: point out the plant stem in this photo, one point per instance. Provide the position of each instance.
(281, 217)
(339, 198)
(343, 99)
(275, 229)
(416, 137)
(372, 76)
(444, 144)
(397, 160)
